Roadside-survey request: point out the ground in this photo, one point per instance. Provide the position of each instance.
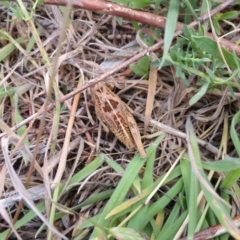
(186, 113)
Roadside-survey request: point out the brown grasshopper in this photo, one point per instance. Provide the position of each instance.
(114, 115)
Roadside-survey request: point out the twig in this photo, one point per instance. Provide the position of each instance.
(175, 132)
(144, 17)
(214, 231)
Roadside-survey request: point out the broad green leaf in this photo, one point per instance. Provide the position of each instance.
(210, 46)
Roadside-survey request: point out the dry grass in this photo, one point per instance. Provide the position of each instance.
(76, 53)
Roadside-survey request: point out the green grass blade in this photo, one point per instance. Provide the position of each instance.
(201, 92)
(9, 48)
(215, 202)
(186, 169)
(139, 223)
(148, 177)
(86, 171)
(114, 165)
(233, 132)
(193, 209)
(190, 11)
(121, 190)
(173, 216)
(125, 233)
(170, 28)
(224, 165)
(18, 119)
(170, 232)
(145, 193)
(231, 178)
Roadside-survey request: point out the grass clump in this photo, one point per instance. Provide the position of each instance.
(63, 175)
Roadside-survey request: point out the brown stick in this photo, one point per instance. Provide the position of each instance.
(214, 231)
(143, 17)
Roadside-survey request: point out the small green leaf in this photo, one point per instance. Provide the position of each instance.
(210, 73)
(139, 3)
(141, 68)
(190, 9)
(236, 59)
(216, 26)
(227, 15)
(199, 94)
(134, 3)
(6, 92)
